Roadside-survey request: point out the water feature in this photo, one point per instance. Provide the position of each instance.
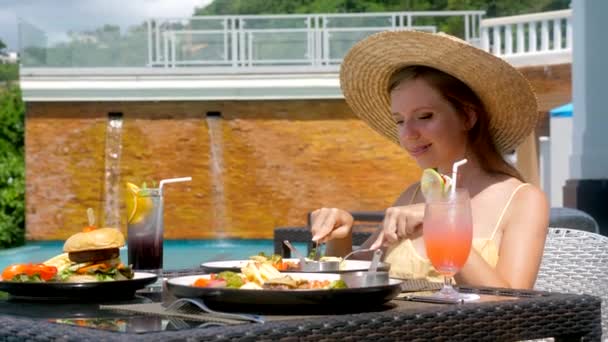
(111, 200)
(216, 167)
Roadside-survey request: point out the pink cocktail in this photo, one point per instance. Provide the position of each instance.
(448, 233)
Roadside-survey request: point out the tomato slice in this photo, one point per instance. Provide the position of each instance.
(204, 282)
(281, 265)
(201, 282)
(13, 270)
(44, 272)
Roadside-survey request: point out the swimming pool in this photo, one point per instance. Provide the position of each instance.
(178, 254)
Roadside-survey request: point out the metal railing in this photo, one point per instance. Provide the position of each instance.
(530, 34)
(215, 43)
(305, 40)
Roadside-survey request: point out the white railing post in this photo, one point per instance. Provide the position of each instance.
(557, 34)
(150, 41)
(157, 37)
(508, 40)
(496, 41)
(467, 32)
(310, 41)
(250, 49)
(324, 43)
(166, 48)
(485, 39)
(544, 36)
(521, 39)
(242, 39)
(235, 42)
(532, 39)
(225, 23)
(569, 33)
(173, 50)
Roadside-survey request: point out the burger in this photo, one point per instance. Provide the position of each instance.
(92, 256)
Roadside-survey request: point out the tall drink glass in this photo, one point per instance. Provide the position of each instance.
(448, 234)
(145, 232)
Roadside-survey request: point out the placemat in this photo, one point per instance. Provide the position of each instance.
(186, 311)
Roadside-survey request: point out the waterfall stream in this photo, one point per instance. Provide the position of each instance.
(216, 168)
(111, 196)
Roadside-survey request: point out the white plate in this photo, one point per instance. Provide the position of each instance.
(235, 265)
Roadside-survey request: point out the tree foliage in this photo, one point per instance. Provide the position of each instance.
(9, 72)
(12, 168)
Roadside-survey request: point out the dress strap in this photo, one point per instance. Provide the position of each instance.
(504, 210)
(415, 194)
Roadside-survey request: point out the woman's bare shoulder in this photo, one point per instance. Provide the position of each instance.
(519, 190)
(528, 203)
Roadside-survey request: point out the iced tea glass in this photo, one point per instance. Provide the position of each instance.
(448, 234)
(145, 232)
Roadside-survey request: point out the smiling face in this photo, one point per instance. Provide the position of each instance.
(430, 128)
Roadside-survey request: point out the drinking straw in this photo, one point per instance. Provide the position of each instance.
(172, 180)
(455, 173)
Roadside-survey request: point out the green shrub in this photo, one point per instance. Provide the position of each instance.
(9, 72)
(12, 169)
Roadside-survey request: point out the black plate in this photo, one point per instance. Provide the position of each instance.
(94, 291)
(235, 266)
(288, 301)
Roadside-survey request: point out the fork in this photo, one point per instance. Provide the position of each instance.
(201, 305)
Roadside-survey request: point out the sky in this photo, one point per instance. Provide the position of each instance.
(56, 17)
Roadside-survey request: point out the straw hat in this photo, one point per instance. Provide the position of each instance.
(505, 93)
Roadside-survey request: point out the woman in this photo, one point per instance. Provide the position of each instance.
(443, 100)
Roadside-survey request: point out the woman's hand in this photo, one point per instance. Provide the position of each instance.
(400, 223)
(330, 223)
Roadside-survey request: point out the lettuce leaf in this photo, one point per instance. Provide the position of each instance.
(24, 278)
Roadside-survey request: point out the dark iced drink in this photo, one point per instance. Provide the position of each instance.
(145, 232)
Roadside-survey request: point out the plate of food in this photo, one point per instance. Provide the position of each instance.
(261, 288)
(292, 264)
(89, 269)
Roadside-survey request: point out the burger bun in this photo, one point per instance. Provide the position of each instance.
(102, 238)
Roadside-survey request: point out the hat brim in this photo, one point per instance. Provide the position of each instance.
(505, 93)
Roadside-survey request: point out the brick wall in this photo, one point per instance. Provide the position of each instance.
(278, 160)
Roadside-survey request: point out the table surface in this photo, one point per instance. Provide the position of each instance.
(500, 315)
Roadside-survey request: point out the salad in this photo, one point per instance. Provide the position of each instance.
(258, 275)
(284, 265)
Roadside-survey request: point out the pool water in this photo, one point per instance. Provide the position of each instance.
(177, 254)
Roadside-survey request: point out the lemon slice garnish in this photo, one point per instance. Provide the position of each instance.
(433, 183)
(138, 206)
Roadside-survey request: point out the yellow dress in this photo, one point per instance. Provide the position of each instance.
(406, 263)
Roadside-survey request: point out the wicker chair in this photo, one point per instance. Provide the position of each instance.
(576, 261)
